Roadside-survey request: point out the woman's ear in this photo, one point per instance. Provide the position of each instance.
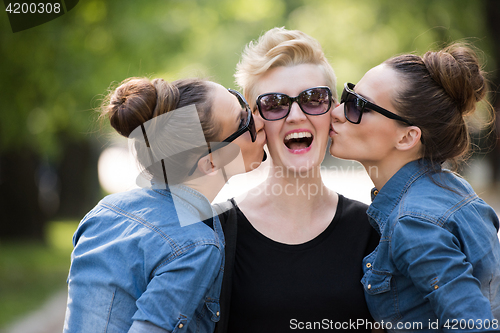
(410, 137)
(206, 165)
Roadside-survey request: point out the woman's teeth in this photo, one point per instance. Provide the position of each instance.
(298, 135)
(298, 140)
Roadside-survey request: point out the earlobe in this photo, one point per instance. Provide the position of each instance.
(206, 165)
(410, 138)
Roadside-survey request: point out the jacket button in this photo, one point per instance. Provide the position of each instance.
(217, 313)
(368, 265)
(369, 286)
(436, 287)
(181, 325)
(375, 192)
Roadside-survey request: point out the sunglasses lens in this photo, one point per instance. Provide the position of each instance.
(251, 128)
(353, 108)
(274, 106)
(248, 122)
(315, 101)
(244, 118)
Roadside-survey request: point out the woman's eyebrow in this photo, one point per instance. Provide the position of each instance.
(364, 96)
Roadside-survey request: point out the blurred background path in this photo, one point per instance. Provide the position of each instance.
(48, 319)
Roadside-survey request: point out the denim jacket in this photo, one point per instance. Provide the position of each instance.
(133, 263)
(438, 261)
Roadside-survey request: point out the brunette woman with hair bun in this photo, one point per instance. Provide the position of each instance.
(438, 260)
(151, 259)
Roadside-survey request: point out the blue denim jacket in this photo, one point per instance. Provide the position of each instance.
(438, 260)
(134, 262)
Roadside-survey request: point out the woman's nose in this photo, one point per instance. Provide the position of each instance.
(296, 114)
(337, 113)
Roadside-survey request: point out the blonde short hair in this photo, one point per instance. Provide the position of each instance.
(280, 47)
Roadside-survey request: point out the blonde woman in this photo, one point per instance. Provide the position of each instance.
(298, 246)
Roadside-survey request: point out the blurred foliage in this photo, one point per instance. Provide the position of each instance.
(53, 75)
(30, 272)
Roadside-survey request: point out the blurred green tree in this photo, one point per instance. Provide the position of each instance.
(493, 15)
(54, 75)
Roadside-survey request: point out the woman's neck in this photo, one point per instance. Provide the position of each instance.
(290, 207)
(292, 190)
(208, 185)
(381, 171)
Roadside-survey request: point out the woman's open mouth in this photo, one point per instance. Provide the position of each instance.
(298, 142)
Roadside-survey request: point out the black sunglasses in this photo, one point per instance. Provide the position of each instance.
(246, 124)
(313, 101)
(355, 105)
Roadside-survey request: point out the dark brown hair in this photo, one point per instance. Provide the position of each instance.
(439, 90)
(138, 100)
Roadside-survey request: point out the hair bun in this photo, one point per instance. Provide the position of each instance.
(456, 68)
(130, 105)
(136, 101)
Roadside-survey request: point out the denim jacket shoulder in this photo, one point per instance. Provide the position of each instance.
(154, 210)
(132, 255)
(437, 237)
(420, 191)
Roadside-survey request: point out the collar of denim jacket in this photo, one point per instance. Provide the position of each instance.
(385, 200)
(190, 205)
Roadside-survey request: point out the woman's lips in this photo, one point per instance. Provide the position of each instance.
(264, 140)
(298, 141)
(332, 131)
(299, 151)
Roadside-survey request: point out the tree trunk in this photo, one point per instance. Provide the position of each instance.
(32, 191)
(20, 214)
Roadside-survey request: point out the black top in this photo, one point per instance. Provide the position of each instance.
(278, 287)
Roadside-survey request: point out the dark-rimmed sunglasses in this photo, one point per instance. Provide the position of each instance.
(246, 124)
(313, 101)
(355, 105)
